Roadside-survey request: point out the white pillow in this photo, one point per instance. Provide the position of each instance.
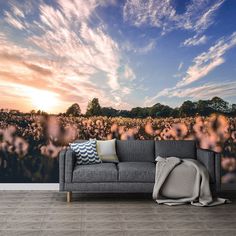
(107, 150)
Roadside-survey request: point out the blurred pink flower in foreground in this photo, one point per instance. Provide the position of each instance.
(148, 128)
(12, 143)
(21, 146)
(228, 164)
(212, 132)
(50, 150)
(53, 128)
(8, 133)
(71, 133)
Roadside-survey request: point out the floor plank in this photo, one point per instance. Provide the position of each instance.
(44, 213)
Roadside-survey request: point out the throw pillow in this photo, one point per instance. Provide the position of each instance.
(86, 153)
(107, 150)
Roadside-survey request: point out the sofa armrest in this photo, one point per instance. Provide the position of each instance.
(69, 165)
(66, 167)
(62, 169)
(207, 158)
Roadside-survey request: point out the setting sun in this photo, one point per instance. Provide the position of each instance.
(43, 100)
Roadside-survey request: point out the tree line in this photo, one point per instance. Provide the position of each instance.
(188, 108)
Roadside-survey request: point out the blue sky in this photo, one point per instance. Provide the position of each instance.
(127, 53)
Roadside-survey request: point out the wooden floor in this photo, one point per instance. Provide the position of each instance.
(47, 213)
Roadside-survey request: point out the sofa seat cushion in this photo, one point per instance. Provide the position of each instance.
(104, 172)
(136, 172)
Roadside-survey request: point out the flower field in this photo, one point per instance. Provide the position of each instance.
(29, 143)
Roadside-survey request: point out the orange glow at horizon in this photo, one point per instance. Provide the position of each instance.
(43, 100)
(26, 98)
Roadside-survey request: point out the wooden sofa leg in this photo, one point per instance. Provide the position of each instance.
(69, 196)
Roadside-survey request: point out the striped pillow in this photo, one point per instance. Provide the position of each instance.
(86, 152)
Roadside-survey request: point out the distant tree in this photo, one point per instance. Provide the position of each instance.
(32, 112)
(74, 110)
(159, 110)
(14, 112)
(139, 112)
(123, 113)
(153, 111)
(233, 110)
(188, 108)
(203, 108)
(109, 111)
(94, 108)
(165, 111)
(175, 112)
(42, 113)
(219, 105)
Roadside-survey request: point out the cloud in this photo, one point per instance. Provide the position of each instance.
(17, 11)
(198, 16)
(223, 90)
(206, 91)
(180, 66)
(195, 40)
(128, 73)
(13, 21)
(66, 54)
(206, 19)
(126, 91)
(104, 53)
(202, 65)
(147, 48)
(15, 17)
(52, 18)
(77, 10)
(80, 10)
(97, 50)
(140, 49)
(207, 61)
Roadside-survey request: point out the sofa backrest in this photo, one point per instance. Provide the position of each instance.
(148, 150)
(176, 148)
(80, 141)
(135, 150)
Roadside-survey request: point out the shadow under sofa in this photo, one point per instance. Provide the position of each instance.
(135, 172)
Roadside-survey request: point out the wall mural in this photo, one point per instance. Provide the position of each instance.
(107, 69)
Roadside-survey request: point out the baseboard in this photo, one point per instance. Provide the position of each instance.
(27, 186)
(53, 187)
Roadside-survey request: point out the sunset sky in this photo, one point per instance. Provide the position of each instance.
(126, 53)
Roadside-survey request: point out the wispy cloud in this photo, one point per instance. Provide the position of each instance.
(17, 11)
(14, 20)
(66, 53)
(128, 73)
(207, 18)
(162, 14)
(180, 66)
(206, 91)
(203, 64)
(140, 49)
(207, 61)
(147, 48)
(195, 40)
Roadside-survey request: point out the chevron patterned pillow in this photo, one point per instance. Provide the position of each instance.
(86, 152)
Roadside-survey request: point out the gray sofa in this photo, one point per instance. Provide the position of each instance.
(135, 172)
